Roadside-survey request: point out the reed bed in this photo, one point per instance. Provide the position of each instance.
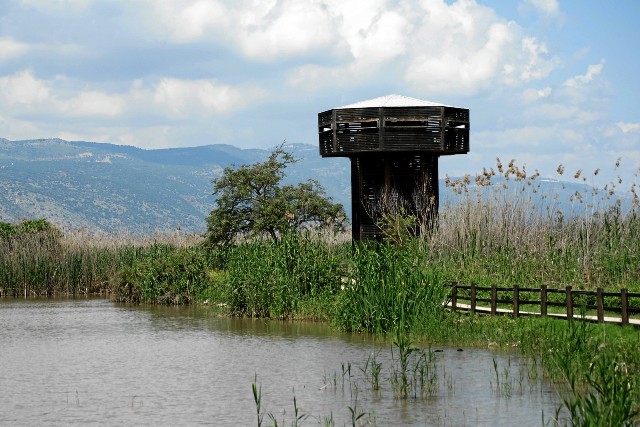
(282, 279)
(500, 228)
(44, 262)
(388, 288)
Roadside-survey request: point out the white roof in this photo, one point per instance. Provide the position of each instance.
(394, 101)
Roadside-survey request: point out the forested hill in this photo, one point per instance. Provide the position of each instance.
(114, 188)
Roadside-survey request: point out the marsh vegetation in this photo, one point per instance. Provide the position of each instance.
(496, 228)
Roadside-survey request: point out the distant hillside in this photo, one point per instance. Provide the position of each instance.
(112, 188)
(105, 187)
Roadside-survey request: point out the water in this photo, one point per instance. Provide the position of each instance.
(84, 362)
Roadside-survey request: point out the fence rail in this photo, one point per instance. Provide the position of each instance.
(599, 300)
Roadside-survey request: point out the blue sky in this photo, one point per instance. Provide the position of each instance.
(547, 82)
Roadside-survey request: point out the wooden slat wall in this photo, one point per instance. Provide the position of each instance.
(372, 174)
(394, 147)
(437, 130)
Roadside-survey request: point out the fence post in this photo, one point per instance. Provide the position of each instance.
(569, 303)
(516, 300)
(624, 305)
(473, 299)
(454, 296)
(494, 300)
(543, 300)
(600, 305)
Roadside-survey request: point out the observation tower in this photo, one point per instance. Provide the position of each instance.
(394, 143)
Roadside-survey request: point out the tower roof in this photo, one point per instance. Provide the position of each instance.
(394, 100)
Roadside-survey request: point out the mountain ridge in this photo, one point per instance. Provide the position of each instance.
(110, 188)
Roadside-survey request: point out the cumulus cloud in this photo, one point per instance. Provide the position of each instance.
(438, 47)
(167, 97)
(542, 139)
(464, 47)
(530, 95)
(262, 30)
(22, 90)
(185, 21)
(10, 48)
(592, 71)
(283, 29)
(186, 97)
(92, 103)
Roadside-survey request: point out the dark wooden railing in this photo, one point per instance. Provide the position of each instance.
(589, 300)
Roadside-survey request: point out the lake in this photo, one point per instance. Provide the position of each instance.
(93, 362)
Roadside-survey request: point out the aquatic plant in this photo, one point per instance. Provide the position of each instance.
(165, 275)
(387, 287)
(275, 279)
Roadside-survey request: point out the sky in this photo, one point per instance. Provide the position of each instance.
(547, 82)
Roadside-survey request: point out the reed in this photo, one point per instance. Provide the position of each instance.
(164, 275)
(36, 259)
(413, 371)
(276, 279)
(257, 398)
(502, 228)
(387, 287)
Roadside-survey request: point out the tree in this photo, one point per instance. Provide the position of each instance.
(251, 202)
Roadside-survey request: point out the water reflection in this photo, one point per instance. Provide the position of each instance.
(90, 361)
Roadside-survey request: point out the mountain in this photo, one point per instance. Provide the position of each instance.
(114, 188)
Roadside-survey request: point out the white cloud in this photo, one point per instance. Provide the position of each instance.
(202, 97)
(262, 30)
(93, 103)
(548, 7)
(539, 138)
(565, 112)
(166, 98)
(530, 95)
(373, 34)
(628, 127)
(23, 90)
(592, 71)
(464, 47)
(436, 46)
(57, 4)
(283, 29)
(535, 67)
(10, 48)
(186, 21)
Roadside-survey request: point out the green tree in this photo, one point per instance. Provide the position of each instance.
(251, 202)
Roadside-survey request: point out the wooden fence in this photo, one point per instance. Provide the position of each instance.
(598, 300)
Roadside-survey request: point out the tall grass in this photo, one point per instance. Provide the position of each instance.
(501, 228)
(164, 274)
(44, 262)
(387, 288)
(278, 279)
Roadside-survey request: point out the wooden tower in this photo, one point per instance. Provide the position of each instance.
(394, 143)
